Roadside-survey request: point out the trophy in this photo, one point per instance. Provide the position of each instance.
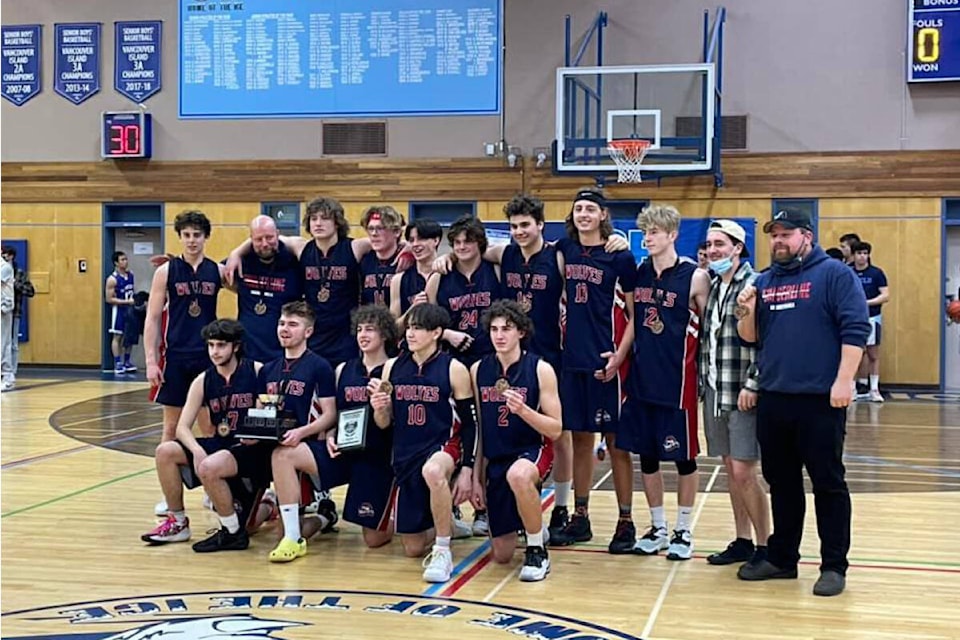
(270, 422)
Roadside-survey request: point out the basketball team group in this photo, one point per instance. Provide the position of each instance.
(425, 382)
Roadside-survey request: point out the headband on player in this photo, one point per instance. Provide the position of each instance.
(592, 196)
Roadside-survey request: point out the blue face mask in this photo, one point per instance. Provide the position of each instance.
(720, 267)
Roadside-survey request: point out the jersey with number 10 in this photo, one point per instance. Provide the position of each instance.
(593, 277)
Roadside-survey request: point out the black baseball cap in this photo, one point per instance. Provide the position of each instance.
(790, 219)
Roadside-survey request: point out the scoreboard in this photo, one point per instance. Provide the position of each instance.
(933, 53)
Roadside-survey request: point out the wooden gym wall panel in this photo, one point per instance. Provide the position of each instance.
(905, 236)
(65, 315)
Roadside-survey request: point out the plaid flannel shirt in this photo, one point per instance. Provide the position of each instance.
(736, 363)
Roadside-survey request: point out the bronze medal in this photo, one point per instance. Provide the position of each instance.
(223, 429)
(502, 385)
(386, 387)
(740, 311)
(526, 304)
(656, 326)
(324, 294)
(194, 309)
(260, 308)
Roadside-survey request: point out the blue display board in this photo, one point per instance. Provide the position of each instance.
(20, 66)
(306, 58)
(76, 60)
(934, 41)
(137, 58)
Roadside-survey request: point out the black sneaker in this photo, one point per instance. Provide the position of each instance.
(559, 518)
(577, 530)
(830, 583)
(624, 538)
(740, 550)
(765, 570)
(536, 565)
(327, 512)
(223, 540)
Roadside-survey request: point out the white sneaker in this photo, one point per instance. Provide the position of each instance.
(461, 529)
(536, 564)
(6, 385)
(160, 509)
(481, 524)
(681, 546)
(119, 371)
(875, 396)
(207, 502)
(438, 565)
(652, 542)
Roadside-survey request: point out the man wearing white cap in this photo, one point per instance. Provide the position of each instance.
(729, 381)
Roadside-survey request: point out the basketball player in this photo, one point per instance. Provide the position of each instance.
(429, 400)
(119, 295)
(183, 300)
(467, 291)
(875, 288)
(271, 278)
(729, 379)
(519, 419)
(660, 416)
(383, 225)
(368, 471)
(227, 389)
(591, 380)
(423, 236)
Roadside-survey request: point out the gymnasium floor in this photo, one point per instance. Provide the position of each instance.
(77, 491)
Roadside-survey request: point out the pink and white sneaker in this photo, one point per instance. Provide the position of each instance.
(168, 531)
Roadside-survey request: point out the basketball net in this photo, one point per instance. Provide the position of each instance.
(628, 154)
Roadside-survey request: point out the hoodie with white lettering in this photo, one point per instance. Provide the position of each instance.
(806, 310)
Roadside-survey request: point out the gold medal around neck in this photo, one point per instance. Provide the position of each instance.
(323, 295)
(223, 429)
(260, 308)
(502, 385)
(656, 326)
(740, 311)
(194, 309)
(526, 304)
(386, 387)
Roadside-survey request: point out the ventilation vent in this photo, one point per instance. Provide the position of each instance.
(733, 130)
(354, 138)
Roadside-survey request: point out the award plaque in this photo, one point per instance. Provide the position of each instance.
(352, 429)
(267, 423)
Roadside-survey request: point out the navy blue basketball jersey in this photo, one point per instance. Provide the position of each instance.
(872, 278)
(352, 394)
(124, 290)
(411, 283)
(537, 285)
(423, 410)
(466, 300)
(506, 435)
(593, 278)
(191, 305)
(667, 331)
(331, 285)
(228, 401)
(263, 290)
(301, 381)
(376, 275)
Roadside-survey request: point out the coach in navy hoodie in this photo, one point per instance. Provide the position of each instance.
(807, 315)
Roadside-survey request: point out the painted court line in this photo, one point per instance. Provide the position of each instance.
(75, 493)
(658, 605)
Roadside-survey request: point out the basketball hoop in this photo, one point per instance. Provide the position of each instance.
(628, 154)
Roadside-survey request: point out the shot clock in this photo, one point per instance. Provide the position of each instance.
(933, 51)
(125, 134)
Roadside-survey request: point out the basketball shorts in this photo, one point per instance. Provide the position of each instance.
(411, 499)
(502, 510)
(588, 404)
(178, 373)
(211, 445)
(655, 431)
(118, 318)
(875, 326)
(370, 479)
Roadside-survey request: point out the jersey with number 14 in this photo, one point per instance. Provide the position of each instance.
(593, 277)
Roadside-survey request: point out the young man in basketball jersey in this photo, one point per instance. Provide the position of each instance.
(119, 295)
(368, 471)
(183, 300)
(409, 288)
(875, 288)
(591, 381)
(271, 278)
(426, 394)
(519, 420)
(729, 381)
(227, 389)
(384, 226)
(659, 420)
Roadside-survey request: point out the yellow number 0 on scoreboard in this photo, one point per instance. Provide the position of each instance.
(928, 45)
